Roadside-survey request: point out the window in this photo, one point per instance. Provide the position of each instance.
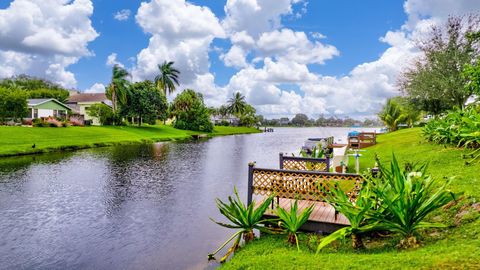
(35, 113)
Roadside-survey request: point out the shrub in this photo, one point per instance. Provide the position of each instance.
(190, 112)
(27, 122)
(76, 121)
(406, 197)
(398, 202)
(242, 217)
(460, 127)
(52, 122)
(293, 220)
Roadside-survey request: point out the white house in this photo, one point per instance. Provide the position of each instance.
(46, 107)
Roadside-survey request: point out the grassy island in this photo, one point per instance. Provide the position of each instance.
(455, 247)
(26, 140)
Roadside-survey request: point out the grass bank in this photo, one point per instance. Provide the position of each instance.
(20, 140)
(457, 247)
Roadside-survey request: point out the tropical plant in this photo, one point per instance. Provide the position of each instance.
(168, 78)
(392, 114)
(407, 196)
(190, 112)
(459, 127)
(292, 221)
(359, 213)
(117, 90)
(242, 217)
(237, 104)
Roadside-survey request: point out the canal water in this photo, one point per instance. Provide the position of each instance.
(130, 207)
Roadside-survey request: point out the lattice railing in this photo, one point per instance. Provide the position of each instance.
(302, 185)
(304, 164)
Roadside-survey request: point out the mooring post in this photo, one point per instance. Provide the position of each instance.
(327, 157)
(281, 161)
(251, 165)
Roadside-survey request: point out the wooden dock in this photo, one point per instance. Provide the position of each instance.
(322, 218)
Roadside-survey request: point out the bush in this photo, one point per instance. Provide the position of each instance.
(398, 202)
(460, 127)
(76, 121)
(224, 123)
(27, 122)
(38, 123)
(52, 122)
(190, 112)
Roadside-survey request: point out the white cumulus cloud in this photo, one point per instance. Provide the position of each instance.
(122, 15)
(43, 38)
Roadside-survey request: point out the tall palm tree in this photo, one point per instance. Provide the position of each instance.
(168, 78)
(117, 89)
(237, 104)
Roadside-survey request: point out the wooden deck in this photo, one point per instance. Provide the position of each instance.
(322, 218)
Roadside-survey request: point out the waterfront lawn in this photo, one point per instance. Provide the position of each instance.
(19, 140)
(455, 247)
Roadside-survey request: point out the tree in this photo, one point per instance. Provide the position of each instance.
(237, 104)
(102, 112)
(392, 114)
(434, 82)
(118, 88)
(190, 112)
(300, 119)
(13, 104)
(168, 78)
(35, 87)
(248, 117)
(145, 103)
(410, 110)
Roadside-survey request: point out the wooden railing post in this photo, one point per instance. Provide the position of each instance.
(281, 161)
(327, 159)
(251, 165)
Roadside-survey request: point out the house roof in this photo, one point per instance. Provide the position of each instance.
(87, 97)
(38, 101)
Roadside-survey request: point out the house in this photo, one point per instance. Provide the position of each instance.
(81, 102)
(219, 120)
(46, 107)
(284, 121)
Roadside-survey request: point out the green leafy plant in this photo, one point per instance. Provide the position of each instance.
(407, 197)
(242, 217)
(292, 221)
(359, 213)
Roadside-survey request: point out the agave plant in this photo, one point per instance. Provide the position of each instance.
(359, 213)
(242, 217)
(293, 220)
(408, 197)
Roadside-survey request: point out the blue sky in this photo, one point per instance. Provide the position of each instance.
(354, 27)
(286, 56)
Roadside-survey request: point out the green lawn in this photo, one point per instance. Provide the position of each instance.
(456, 247)
(19, 140)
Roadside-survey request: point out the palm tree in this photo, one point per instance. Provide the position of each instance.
(237, 104)
(117, 89)
(392, 114)
(168, 77)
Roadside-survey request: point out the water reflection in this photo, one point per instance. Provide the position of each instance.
(129, 207)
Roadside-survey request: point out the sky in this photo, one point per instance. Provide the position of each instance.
(315, 57)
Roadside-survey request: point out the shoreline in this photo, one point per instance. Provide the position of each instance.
(24, 141)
